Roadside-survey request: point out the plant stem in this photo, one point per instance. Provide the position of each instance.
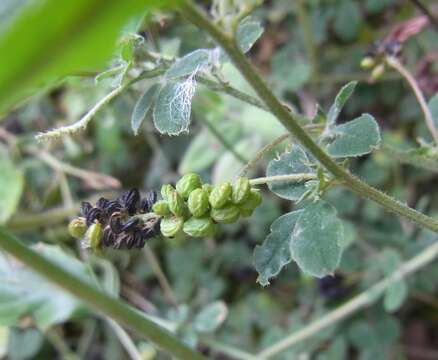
(101, 302)
(288, 177)
(83, 122)
(289, 121)
(161, 277)
(397, 65)
(267, 148)
(124, 338)
(227, 350)
(366, 298)
(407, 157)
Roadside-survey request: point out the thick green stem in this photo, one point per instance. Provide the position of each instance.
(101, 302)
(289, 121)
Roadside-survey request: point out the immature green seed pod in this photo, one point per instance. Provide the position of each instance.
(367, 62)
(165, 189)
(208, 188)
(198, 227)
(176, 203)
(241, 190)
(77, 228)
(254, 199)
(226, 215)
(220, 195)
(187, 184)
(198, 202)
(377, 72)
(94, 235)
(171, 226)
(161, 208)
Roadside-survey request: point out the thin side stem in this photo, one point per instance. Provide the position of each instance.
(224, 142)
(407, 157)
(267, 148)
(99, 301)
(161, 277)
(397, 65)
(83, 122)
(125, 339)
(230, 351)
(288, 177)
(365, 299)
(290, 121)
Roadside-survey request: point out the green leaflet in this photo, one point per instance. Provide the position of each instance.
(274, 253)
(315, 239)
(210, 317)
(354, 138)
(341, 98)
(173, 107)
(293, 162)
(189, 64)
(248, 33)
(142, 107)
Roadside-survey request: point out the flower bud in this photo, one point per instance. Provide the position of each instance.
(254, 199)
(187, 184)
(171, 226)
(176, 203)
(220, 195)
(226, 215)
(94, 235)
(198, 202)
(367, 62)
(198, 227)
(165, 189)
(377, 72)
(77, 228)
(161, 208)
(241, 190)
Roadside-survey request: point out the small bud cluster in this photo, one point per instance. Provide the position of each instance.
(196, 209)
(375, 58)
(123, 223)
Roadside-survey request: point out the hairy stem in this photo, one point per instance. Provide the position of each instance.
(290, 121)
(288, 177)
(366, 298)
(101, 302)
(397, 65)
(267, 148)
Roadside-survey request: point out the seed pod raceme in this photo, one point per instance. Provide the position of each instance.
(220, 195)
(187, 184)
(226, 215)
(161, 208)
(176, 203)
(251, 203)
(77, 227)
(241, 190)
(171, 226)
(198, 202)
(198, 227)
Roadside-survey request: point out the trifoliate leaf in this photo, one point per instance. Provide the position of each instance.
(173, 107)
(274, 253)
(340, 100)
(315, 239)
(293, 162)
(142, 107)
(189, 64)
(354, 138)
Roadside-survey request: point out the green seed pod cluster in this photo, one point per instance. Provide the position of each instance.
(195, 209)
